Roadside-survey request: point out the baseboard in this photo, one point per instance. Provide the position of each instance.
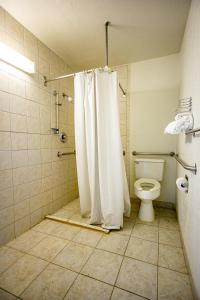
(194, 291)
(156, 203)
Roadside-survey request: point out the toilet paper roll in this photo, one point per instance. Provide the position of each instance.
(182, 184)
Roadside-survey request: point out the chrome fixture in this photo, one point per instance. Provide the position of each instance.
(63, 137)
(186, 166)
(60, 154)
(185, 105)
(46, 80)
(193, 131)
(107, 23)
(172, 154)
(153, 153)
(56, 129)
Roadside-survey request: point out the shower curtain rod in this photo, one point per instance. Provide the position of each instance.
(106, 24)
(72, 75)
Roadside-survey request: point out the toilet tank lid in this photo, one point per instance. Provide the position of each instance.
(149, 160)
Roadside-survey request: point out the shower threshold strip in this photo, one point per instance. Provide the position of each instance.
(75, 223)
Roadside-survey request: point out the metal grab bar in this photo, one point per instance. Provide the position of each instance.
(184, 165)
(153, 153)
(59, 154)
(172, 154)
(193, 131)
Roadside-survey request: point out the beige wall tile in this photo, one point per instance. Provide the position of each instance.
(5, 179)
(4, 121)
(33, 141)
(18, 123)
(6, 198)
(19, 141)
(18, 105)
(33, 109)
(6, 216)
(34, 157)
(5, 141)
(34, 172)
(7, 234)
(26, 137)
(33, 125)
(4, 81)
(19, 158)
(20, 175)
(21, 209)
(5, 160)
(22, 225)
(21, 192)
(17, 86)
(13, 27)
(5, 101)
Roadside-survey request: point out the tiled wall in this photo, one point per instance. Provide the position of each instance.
(122, 72)
(33, 180)
(189, 146)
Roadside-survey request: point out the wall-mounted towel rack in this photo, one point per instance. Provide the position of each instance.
(185, 105)
(172, 154)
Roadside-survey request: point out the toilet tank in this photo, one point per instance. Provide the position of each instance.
(149, 168)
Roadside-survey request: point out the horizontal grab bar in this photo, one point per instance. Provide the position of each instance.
(172, 154)
(153, 153)
(184, 165)
(59, 154)
(193, 131)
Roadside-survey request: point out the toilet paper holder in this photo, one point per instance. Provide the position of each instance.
(184, 186)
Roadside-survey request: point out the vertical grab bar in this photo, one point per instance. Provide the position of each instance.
(56, 129)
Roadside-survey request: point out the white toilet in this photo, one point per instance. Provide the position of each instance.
(148, 173)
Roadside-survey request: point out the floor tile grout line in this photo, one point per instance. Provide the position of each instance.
(121, 263)
(13, 262)
(33, 280)
(8, 292)
(49, 262)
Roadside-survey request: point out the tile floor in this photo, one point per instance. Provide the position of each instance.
(54, 261)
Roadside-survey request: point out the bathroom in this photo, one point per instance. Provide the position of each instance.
(54, 242)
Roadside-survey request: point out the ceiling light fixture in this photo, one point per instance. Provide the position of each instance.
(16, 59)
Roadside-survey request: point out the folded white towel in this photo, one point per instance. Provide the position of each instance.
(182, 123)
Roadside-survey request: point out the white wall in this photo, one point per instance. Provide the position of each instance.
(189, 147)
(154, 92)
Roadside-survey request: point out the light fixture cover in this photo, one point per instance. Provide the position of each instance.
(16, 59)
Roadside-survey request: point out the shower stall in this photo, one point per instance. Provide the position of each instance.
(103, 188)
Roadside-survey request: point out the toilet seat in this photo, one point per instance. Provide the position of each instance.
(147, 184)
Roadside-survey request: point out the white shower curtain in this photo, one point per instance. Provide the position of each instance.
(102, 182)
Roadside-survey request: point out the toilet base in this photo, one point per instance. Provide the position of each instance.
(146, 212)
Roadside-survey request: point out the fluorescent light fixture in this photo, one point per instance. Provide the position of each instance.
(16, 59)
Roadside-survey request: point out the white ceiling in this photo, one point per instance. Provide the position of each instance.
(74, 29)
